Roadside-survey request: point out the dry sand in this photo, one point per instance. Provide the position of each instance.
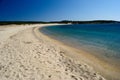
(26, 55)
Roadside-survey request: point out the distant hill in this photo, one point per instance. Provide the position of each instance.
(87, 22)
(60, 22)
(21, 22)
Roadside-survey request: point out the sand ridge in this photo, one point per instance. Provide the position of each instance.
(24, 56)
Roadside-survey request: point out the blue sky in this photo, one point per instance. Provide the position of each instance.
(51, 10)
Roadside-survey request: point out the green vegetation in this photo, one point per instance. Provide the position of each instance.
(87, 22)
(60, 22)
(21, 22)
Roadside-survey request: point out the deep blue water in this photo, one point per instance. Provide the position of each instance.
(99, 39)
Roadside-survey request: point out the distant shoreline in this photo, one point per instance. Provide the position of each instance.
(58, 22)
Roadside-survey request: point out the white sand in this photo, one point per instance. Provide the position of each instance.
(26, 56)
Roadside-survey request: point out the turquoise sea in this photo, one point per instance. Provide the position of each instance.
(102, 40)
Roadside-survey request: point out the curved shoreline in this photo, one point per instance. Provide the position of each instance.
(101, 66)
(27, 55)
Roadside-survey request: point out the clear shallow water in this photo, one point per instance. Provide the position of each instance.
(99, 39)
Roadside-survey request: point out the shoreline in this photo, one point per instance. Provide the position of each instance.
(105, 70)
(27, 55)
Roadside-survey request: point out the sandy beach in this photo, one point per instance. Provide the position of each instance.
(25, 54)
